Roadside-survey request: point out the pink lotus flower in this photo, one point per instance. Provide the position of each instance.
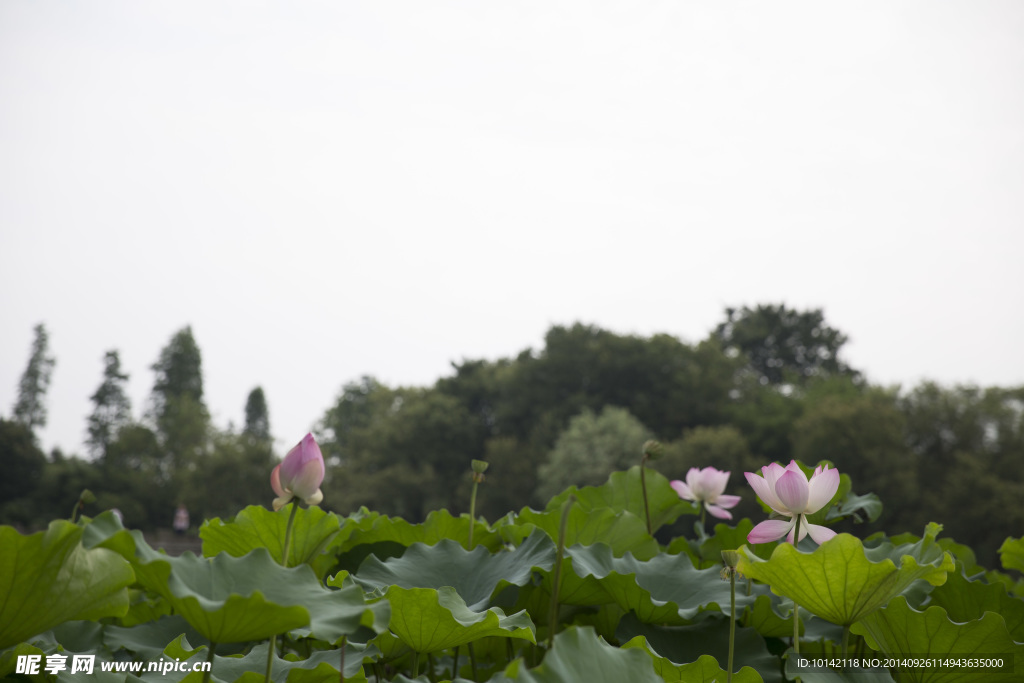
(787, 491)
(706, 486)
(299, 475)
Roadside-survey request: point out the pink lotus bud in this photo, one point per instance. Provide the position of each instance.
(299, 475)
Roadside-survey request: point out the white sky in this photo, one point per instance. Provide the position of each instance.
(324, 190)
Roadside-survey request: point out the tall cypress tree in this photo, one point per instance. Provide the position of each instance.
(30, 408)
(111, 406)
(177, 408)
(257, 417)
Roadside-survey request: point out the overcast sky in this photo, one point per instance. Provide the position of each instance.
(329, 189)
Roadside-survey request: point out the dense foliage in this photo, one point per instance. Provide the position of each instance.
(575, 591)
(768, 384)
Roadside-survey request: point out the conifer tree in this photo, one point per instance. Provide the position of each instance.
(30, 408)
(112, 407)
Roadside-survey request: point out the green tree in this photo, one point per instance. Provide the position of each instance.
(23, 464)
(590, 449)
(111, 406)
(783, 345)
(30, 407)
(666, 384)
(134, 471)
(863, 434)
(236, 473)
(257, 417)
(177, 407)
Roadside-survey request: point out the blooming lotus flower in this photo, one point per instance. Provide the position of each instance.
(299, 475)
(706, 486)
(787, 491)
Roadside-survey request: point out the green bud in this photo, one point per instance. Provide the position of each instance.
(653, 450)
(479, 466)
(87, 496)
(731, 558)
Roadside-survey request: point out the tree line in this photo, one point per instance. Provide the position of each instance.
(767, 384)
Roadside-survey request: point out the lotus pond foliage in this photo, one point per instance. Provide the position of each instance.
(597, 586)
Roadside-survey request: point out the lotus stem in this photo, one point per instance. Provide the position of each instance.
(472, 511)
(796, 608)
(415, 663)
(270, 657)
(209, 660)
(643, 489)
(455, 664)
(556, 580)
(288, 534)
(341, 671)
(472, 661)
(732, 620)
(846, 638)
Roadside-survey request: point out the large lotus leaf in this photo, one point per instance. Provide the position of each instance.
(144, 608)
(710, 636)
(147, 641)
(837, 581)
(622, 531)
(623, 491)
(966, 600)
(314, 533)
(580, 655)
(1012, 554)
(49, 578)
(704, 670)
(342, 613)
(371, 527)
(898, 630)
(474, 574)
(428, 620)
(233, 599)
(665, 589)
(866, 508)
(766, 621)
(727, 537)
(320, 667)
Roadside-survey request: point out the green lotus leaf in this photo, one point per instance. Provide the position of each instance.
(838, 582)
(898, 630)
(9, 658)
(147, 641)
(580, 655)
(50, 577)
(314, 533)
(622, 531)
(1012, 554)
(866, 508)
(766, 621)
(234, 599)
(727, 537)
(428, 620)
(144, 607)
(704, 670)
(666, 589)
(966, 600)
(342, 613)
(475, 574)
(370, 527)
(709, 636)
(623, 492)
